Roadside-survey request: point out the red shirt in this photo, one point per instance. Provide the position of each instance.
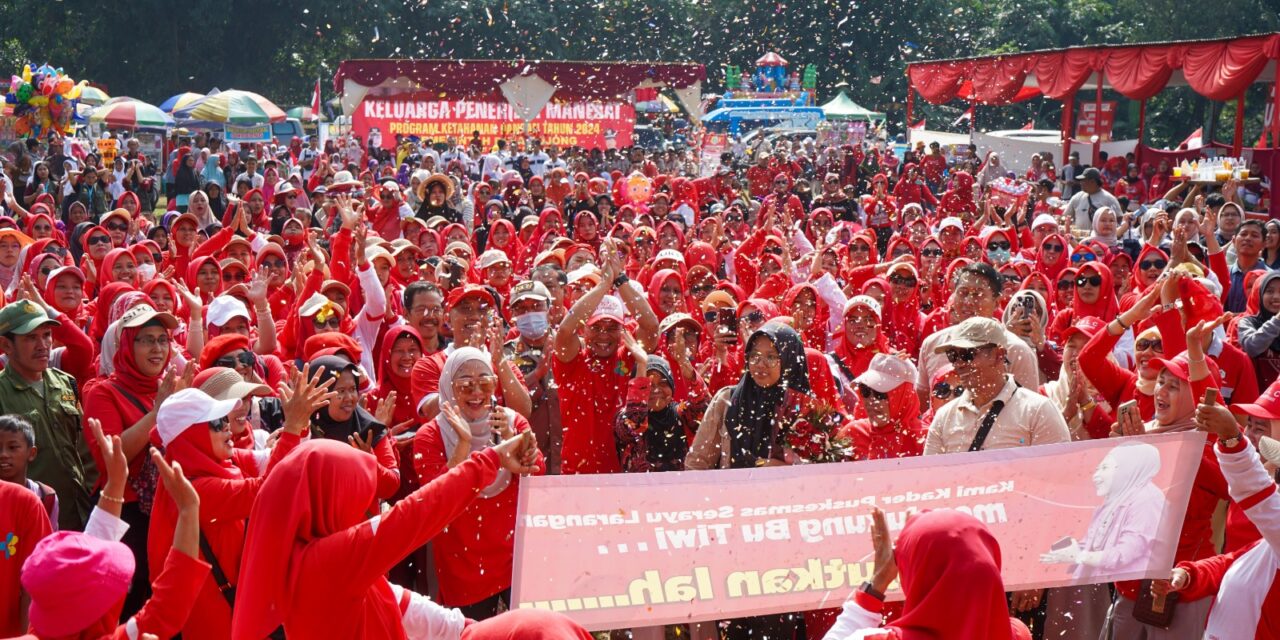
(933, 165)
(474, 553)
(23, 523)
(759, 178)
(592, 390)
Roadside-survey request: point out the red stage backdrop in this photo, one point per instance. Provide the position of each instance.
(583, 123)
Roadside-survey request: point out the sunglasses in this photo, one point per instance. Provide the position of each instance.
(332, 324)
(99, 240)
(117, 226)
(1064, 285)
(1012, 278)
(1093, 281)
(754, 317)
(944, 390)
(1056, 248)
(999, 246)
(483, 384)
(931, 253)
(1083, 257)
(1154, 344)
(244, 359)
(1153, 264)
(273, 264)
(220, 425)
(700, 288)
(955, 356)
(905, 281)
(859, 248)
(871, 394)
(236, 276)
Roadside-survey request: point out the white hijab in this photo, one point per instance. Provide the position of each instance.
(481, 432)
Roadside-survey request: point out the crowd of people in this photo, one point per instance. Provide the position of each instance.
(279, 371)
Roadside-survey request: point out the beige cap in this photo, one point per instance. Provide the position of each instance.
(144, 313)
(227, 384)
(974, 333)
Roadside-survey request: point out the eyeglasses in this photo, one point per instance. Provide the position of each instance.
(1093, 281)
(871, 394)
(117, 226)
(236, 276)
(273, 264)
(1153, 264)
(931, 253)
(477, 309)
(99, 240)
(243, 359)
(1011, 278)
(905, 281)
(999, 246)
(483, 384)
(701, 288)
(332, 324)
(859, 248)
(944, 390)
(1055, 248)
(757, 358)
(1064, 285)
(149, 342)
(1083, 257)
(754, 317)
(955, 356)
(1152, 344)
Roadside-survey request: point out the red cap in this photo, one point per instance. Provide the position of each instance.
(1088, 326)
(1180, 367)
(467, 291)
(1267, 406)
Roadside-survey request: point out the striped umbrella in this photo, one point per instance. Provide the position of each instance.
(127, 113)
(234, 107)
(180, 101)
(304, 114)
(93, 95)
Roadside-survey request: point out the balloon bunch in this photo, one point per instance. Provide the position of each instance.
(44, 100)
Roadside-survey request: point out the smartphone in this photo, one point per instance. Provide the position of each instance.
(728, 320)
(1064, 543)
(1029, 305)
(493, 407)
(1127, 409)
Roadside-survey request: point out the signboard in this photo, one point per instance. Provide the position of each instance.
(625, 550)
(240, 134)
(713, 144)
(586, 124)
(835, 133)
(108, 148)
(1092, 122)
(151, 145)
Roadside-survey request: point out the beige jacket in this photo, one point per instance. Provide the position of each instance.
(710, 448)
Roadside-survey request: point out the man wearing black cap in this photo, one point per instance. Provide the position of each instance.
(1090, 198)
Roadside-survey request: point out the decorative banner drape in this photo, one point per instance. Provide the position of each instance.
(1217, 69)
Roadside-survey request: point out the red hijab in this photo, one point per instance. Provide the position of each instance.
(388, 380)
(815, 336)
(856, 358)
(904, 435)
(1051, 270)
(949, 568)
(654, 291)
(50, 287)
(193, 269)
(102, 312)
(109, 263)
(320, 489)
(1105, 307)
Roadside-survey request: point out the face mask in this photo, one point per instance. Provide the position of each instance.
(532, 325)
(146, 271)
(999, 256)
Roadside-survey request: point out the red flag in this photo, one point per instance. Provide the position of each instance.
(1031, 124)
(919, 126)
(967, 115)
(315, 101)
(1193, 141)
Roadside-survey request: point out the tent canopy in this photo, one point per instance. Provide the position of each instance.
(842, 107)
(499, 80)
(1216, 69)
(771, 59)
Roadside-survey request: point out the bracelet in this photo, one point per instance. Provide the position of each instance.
(108, 498)
(870, 590)
(1169, 306)
(1121, 323)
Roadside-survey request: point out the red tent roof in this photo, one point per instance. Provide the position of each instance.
(459, 79)
(1217, 69)
(771, 59)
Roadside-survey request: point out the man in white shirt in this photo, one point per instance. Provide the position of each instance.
(251, 172)
(1090, 198)
(537, 159)
(308, 156)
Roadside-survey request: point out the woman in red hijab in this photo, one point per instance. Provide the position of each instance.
(502, 235)
(666, 292)
(125, 403)
(1094, 296)
(227, 480)
(889, 426)
(810, 314)
(64, 291)
(958, 201)
(902, 320)
(118, 266)
(315, 562)
(861, 337)
(1145, 272)
(205, 275)
(948, 564)
(1051, 258)
(40, 225)
(586, 229)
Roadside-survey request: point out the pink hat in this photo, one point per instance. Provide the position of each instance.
(74, 579)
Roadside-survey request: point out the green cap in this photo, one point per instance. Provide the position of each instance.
(23, 317)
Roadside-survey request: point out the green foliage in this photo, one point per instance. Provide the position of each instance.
(152, 49)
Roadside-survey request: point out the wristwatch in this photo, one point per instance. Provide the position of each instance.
(870, 590)
(1232, 442)
(620, 280)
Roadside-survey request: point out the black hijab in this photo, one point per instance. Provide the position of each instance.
(751, 420)
(665, 438)
(361, 421)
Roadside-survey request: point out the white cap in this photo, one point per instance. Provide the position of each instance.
(141, 314)
(492, 257)
(951, 221)
(311, 306)
(669, 254)
(223, 308)
(186, 408)
(862, 301)
(1044, 219)
(886, 373)
(585, 271)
